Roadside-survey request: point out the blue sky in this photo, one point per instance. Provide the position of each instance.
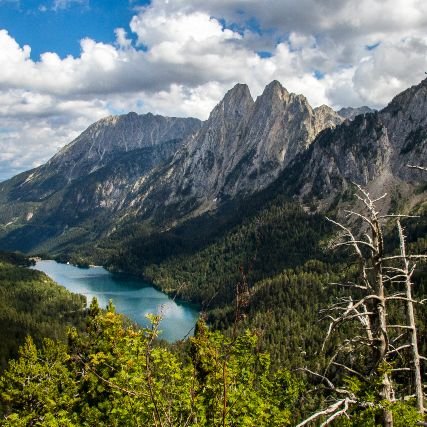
(46, 27)
(66, 63)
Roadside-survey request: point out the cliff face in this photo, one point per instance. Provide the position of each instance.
(240, 150)
(373, 150)
(159, 171)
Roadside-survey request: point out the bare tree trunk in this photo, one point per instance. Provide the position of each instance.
(378, 273)
(379, 323)
(414, 348)
(411, 322)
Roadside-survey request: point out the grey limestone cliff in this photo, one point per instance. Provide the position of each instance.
(373, 150)
(240, 149)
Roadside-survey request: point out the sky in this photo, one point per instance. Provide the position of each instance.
(65, 64)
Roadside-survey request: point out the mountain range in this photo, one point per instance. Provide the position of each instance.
(159, 172)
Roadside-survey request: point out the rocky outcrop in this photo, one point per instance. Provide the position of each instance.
(373, 150)
(241, 149)
(355, 152)
(350, 112)
(159, 171)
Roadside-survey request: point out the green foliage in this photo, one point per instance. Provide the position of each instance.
(37, 389)
(235, 384)
(32, 304)
(114, 375)
(280, 236)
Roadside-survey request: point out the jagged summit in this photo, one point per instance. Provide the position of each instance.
(235, 105)
(351, 112)
(275, 88)
(163, 169)
(411, 102)
(239, 150)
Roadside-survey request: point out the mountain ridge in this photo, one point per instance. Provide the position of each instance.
(243, 148)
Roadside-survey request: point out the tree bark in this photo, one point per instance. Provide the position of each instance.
(410, 316)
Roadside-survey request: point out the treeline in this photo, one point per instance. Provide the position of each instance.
(280, 236)
(32, 304)
(281, 255)
(114, 375)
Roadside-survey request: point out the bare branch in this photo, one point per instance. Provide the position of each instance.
(330, 410)
(393, 257)
(337, 414)
(421, 168)
(398, 337)
(396, 350)
(349, 285)
(315, 374)
(367, 220)
(398, 216)
(349, 369)
(353, 242)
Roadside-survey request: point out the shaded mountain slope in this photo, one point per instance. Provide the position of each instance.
(87, 181)
(161, 171)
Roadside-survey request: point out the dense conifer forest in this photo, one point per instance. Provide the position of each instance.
(258, 357)
(32, 304)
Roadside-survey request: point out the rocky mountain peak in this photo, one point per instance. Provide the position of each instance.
(274, 96)
(411, 102)
(275, 88)
(235, 105)
(325, 117)
(351, 112)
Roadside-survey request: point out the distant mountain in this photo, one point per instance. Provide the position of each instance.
(350, 112)
(102, 143)
(68, 197)
(240, 149)
(373, 150)
(155, 172)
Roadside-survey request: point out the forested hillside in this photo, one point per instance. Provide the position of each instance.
(267, 279)
(32, 304)
(282, 258)
(115, 375)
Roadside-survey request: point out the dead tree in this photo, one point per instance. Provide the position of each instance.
(402, 275)
(368, 306)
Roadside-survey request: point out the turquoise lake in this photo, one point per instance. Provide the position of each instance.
(132, 297)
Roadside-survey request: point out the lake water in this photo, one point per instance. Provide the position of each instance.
(131, 296)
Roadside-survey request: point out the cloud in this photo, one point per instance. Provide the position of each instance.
(65, 4)
(181, 56)
(121, 38)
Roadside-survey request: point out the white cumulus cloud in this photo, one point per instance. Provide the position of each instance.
(188, 53)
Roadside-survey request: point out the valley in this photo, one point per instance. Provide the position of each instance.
(230, 214)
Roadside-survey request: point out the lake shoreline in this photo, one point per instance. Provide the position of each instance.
(136, 276)
(131, 295)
